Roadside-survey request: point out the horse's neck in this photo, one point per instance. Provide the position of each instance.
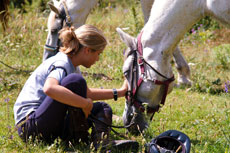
(79, 10)
(168, 22)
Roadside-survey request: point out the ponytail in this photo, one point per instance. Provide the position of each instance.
(70, 43)
(86, 35)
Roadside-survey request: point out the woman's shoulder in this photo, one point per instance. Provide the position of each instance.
(66, 65)
(60, 59)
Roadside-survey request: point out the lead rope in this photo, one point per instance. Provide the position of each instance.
(94, 119)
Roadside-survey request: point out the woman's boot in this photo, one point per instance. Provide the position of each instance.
(102, 141)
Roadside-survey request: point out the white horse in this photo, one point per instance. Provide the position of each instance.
(78, 12)
(168, 22)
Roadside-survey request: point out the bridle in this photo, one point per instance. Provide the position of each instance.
(139, 63)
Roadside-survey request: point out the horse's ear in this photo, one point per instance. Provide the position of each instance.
(127, 39)
(54, 8)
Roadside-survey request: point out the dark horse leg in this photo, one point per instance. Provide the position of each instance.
(4, 14)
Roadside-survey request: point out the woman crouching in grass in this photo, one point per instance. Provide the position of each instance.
(56, 102)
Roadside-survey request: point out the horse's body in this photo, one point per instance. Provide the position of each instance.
(79, 11)
(181, 64)
(168, 22)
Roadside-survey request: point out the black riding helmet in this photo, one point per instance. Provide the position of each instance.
(171, 141)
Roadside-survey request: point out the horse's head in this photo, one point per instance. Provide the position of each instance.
(58, 18)
(71, 13)
(220, 10)
(146, 82)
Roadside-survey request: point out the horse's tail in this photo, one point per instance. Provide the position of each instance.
(4, 13)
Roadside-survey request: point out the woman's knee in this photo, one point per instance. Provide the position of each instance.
(102, 109)
(107, 109)
(73, 78)
(76, 83)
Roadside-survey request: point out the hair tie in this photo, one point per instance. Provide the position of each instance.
(73, 33)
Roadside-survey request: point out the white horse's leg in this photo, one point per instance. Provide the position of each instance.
(182, 68)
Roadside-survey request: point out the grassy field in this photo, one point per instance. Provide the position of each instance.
(201, 111)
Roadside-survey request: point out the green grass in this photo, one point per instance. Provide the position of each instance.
(201, 112)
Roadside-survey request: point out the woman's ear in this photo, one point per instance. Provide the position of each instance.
(86, 50)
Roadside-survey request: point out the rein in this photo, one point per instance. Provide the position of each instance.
(139, 63)
(92, 118)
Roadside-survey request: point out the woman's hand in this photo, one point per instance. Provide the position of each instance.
(88, 108)
(124, 88)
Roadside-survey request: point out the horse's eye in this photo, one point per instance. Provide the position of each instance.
(126, 72)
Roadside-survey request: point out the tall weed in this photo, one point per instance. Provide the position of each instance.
(222, 56)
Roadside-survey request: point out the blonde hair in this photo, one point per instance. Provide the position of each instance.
(86, 35)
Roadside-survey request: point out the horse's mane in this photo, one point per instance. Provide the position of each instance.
(4, 14)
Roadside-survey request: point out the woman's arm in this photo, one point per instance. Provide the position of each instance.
(59, 93)
(103, 94)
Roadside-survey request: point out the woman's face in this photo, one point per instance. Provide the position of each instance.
(92, 58)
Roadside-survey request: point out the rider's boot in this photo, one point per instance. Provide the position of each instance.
(102, 140)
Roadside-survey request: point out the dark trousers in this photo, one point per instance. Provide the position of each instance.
(49, 121)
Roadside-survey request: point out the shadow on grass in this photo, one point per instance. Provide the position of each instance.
(16, 69)
(195, 142)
